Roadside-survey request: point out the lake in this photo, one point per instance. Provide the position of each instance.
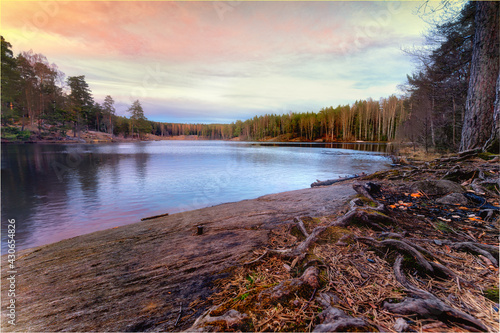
(58, 191)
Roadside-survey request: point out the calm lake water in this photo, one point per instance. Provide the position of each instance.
(60, 191)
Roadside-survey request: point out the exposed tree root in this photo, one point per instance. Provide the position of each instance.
(358, 214)
(478, 248)
(206, 323)
(400, 246)
(306, 282)
(335, 320)
(427, 305)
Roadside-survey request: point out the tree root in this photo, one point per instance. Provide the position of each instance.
(206, 323)
(478, 248)
(335, 320)
(400, 246)
(278, 294)
(427, 305)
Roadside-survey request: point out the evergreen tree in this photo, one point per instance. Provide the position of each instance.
(80, 102)
(138, 121)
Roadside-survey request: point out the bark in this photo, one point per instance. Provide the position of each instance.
(495, 135)
(478, 121)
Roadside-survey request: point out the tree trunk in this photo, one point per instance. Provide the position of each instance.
(493, 141)
(478, 122)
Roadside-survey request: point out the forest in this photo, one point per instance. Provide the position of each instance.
(39, 103)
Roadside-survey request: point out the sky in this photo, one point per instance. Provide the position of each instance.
(217, 62)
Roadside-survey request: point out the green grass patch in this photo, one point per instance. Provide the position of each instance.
(492, 294)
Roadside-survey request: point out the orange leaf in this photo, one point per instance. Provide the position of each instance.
(392, 206)
(416, 195)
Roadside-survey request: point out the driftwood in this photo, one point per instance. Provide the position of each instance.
(427, 305)
(153, 217)
(332, 181)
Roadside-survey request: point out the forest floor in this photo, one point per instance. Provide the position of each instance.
(414, 248)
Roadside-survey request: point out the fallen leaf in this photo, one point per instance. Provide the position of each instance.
(416, 195)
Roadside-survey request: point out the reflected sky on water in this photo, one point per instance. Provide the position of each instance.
(57, 191)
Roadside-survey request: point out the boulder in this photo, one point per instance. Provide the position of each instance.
(437, 187)
(453, 199)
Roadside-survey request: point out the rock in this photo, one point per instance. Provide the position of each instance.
(437, 187)
(453, 199)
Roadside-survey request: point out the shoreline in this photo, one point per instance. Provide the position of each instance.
(143, 270)
(93, 137)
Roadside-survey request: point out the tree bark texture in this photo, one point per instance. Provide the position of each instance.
(481, 95)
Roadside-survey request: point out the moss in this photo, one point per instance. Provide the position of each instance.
(242, 297)
(490, 186)
(333, 234)
(443, 226)
(486, 155)
(366, 201)
(492, 294)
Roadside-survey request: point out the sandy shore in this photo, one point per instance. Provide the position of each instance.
(136, 277)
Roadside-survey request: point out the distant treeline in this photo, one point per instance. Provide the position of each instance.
(364, 120)
(35, 93)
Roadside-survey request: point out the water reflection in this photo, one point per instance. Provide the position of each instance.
(60, 191)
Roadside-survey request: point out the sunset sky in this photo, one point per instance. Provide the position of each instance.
(222, 61)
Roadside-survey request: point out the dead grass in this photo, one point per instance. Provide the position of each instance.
(419, 154)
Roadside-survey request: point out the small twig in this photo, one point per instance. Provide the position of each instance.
(310, 300)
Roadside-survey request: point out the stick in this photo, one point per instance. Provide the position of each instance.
(153, 217)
